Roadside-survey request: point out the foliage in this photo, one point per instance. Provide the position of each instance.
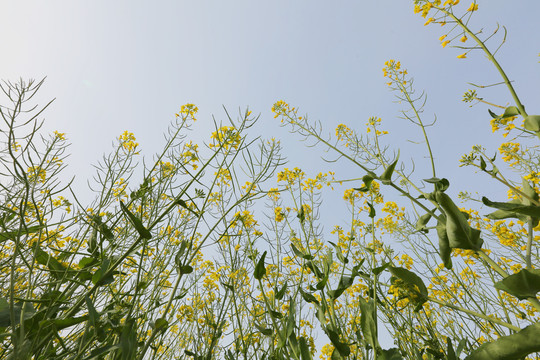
(171, 262)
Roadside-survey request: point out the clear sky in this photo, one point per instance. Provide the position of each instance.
(130, 65)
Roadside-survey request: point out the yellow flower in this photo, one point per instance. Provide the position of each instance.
(463, 38)
(60, 136)
(445, 43)
(473, 7)
(462, 56)
(278, 214)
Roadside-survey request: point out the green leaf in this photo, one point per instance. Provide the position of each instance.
(93, 316)
(260, 269)
(380, 269)
(304, 349)
(136, 222)
(301, 254)
(440, 184)
(532, 123)
(279, 294)
(87, 262)
(161, 324)
(4, 236)
(482, 164)
(56, 268)
(183, 204)
(451, 354)
(264, 331)
(60, 324)
(128, 340)
(185, 269)
(390, 354)
(529, 210)
(460, 234)
(386, 177)
(505, 214)
(422, 222)
(368, 322)
(344, 283)
(301, 214)
(493, 115)
(367, 179)
(341, 347)
(371, 210)
(412, 279)
(511, 347)
(510, 111)
(445, 250)
(99, 277)
(339, 253)
(524, 284)
(308, 297)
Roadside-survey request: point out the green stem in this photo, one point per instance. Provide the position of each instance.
(493, 60)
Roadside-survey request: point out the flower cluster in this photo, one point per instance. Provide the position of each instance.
(128, 141)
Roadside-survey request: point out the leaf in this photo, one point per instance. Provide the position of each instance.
(185, 269)
(422, 222)
(367, 179)
(341, 347)
(529, 210)
(440, 184)
(128, 340)
(260, 269)
(93, 316)
(344, 283)
(99, 277)
(264, 331)
(301, 214)
(505, 214)
(411, 278)
(308, 297)
(532, 123)
(279, 294)
(60, 324)
(371, 210)
(386, 177)
(368, 322)
(451, 354)
(511, 347)
(445, 251)
(482, 164)
(136, 222)
(161, 324)
(56, 268)
(493, 115)
(524, 284)
(304, 349)
(460, 234)
(183, 204)
(4, 236)
(390, 354)
(380, 269)
(301, 254)
(510, 111)
(339, 254)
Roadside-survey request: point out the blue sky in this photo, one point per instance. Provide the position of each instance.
(116, 66)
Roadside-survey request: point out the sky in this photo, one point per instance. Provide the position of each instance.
(129, 65)
(115, 66)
